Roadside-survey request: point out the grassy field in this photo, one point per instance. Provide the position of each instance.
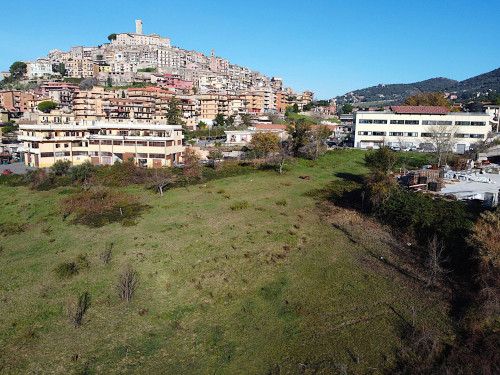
(284, 286)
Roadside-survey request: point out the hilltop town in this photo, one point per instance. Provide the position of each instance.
(149, 71)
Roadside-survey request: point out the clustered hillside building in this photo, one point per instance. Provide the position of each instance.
(407, 127)
(152, 60)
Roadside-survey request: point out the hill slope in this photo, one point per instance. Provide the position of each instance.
(397, 93)
(256, 291)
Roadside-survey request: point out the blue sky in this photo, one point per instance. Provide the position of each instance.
(329, 47)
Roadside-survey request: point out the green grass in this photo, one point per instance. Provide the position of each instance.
(221, 291)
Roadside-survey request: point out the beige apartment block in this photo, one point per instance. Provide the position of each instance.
(124, 110)
(212, 104)
(79, 68)
(93, 104)
(151, 146)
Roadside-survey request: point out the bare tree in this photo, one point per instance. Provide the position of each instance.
(127, 284)
(77, 309)
(435, 250)
(442, 139)
(284, 154)
(161, 179)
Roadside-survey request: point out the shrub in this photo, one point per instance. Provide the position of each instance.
(106, 254)
(81, 172)
(60, 168)
(38, 179)
(127, 283)
(78, 308)
(7, 229)
(282, 202)
(66, 270)
(101, 206)
(237, 206)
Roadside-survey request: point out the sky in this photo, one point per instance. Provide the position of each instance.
(328, 47)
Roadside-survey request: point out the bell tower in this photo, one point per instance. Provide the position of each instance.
(138, 26)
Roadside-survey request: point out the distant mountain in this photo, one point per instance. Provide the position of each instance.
(397, 93)
(482, 83)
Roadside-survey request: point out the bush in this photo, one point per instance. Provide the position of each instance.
(237, 206)
(382, 160)
(282, 202)
(66, 270)
(7, 229)
(100, 206)
(78, 308)
(127, 284)
(82, 172)
(38, 179)
(60, 168)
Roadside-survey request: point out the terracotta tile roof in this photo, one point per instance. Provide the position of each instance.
(431, 110)
(270, 126)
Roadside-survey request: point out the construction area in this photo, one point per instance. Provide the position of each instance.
(466, 181)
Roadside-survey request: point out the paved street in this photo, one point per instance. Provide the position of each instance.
(17, 168)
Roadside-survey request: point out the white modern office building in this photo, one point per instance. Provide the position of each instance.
(409, 126)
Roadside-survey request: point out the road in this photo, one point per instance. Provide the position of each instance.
(17, 168)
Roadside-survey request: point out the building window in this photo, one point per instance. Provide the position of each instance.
(379, 133)
(426, 135)
(157, 144)
(47, 154)
(380, 121)
(397, 122)
(396, 134)
(364, 121)
(411, 134)
(157, 156)
(117, 143)
(411, 122)
(478, 123)
(462, 123)
(429, 122)
(364, 133)
(58, 145)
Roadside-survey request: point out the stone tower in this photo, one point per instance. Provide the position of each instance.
(138, 26)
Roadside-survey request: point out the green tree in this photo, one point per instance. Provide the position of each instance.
(18, 69)
(174, 112)
(381, 160)
(109, 83)
(230, 121)
(59, 68)
(299, 133)
(202, 125)
(46, 106)
(245, 118)
(295, 108)
(308, 106)
(347, 108)
(428, 99)
(112, 37)
(219, 120)
(264, 143)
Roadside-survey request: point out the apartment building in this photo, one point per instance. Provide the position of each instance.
(39, 68)
(157, 97)
(60, 92)
(79, 68)
(151, 146)
(213, 104)
(29, 101)
(123, 110)
(93, 104)
(408, 126)
(11, 100)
